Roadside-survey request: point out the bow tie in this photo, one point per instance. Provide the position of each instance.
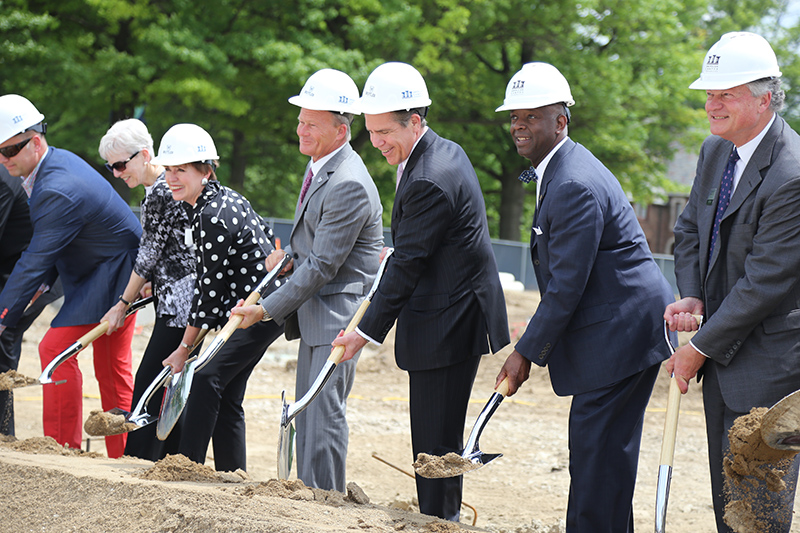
(529, 175)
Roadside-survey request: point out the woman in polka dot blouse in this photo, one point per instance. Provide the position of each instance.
(230, 242)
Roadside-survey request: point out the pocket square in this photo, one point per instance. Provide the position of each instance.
(537, 230)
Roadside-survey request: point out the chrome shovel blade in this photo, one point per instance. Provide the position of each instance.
(175, 395)
(285, 441)
(662, 495)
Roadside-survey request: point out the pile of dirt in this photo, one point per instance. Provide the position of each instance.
(438, 466)
(42, 445)
(102, 423)
(750, 467)
(181, 468)
(11, 379)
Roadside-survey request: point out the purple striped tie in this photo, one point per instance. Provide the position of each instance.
(725, 189)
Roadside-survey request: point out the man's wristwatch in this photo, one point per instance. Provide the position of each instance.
(266, 316)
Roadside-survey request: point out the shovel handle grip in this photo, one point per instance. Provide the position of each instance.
(502, 389)
(338, 352)
(671, 423)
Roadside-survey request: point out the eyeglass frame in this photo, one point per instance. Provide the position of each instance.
(119, 166)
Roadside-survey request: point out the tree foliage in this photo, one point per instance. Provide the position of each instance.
(231, 65)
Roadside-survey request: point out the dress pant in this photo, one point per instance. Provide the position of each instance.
(62, 404)
(438, 402)
(605, 433)
(321, 429)
(772, 509)
(143, 442)
(214, 409)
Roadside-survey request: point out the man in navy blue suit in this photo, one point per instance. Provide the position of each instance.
(598, 327)
(84, 234)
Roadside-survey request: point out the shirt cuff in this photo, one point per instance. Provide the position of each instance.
(698, 350)
(367, 337)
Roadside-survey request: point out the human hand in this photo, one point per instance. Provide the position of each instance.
(681, 315)
(251, 314)
(517, 369)
(115, 317)
(147, 290)
(352, 343)
(684, 365)
(274, 258)
(177, 359)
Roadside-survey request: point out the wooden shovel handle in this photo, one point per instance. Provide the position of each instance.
(338, 352)
(671, 423)
(502, 389)
(93, 334)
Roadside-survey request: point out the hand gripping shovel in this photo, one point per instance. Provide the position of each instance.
(139, 417)
(471, 458)
(176, 392)
(83, 342)
(668, 442)
(289, 412)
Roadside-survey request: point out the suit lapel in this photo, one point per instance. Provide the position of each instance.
(425, 142)
(549, 174)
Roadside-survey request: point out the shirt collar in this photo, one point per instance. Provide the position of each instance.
(29, 180)
(424, 131)
(747, 150)
(543, 165)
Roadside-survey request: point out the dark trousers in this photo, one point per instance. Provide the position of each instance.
(214, 408)
(438, 401)
(605, 433)
(11, 348)
(143, 442)
(772, 509)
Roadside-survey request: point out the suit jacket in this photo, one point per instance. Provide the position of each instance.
(600, 319)
(15, 223)
(83, 232)
(441, 284)
(335, 243)
(750, 291)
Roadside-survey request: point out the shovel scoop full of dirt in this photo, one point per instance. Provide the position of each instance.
(101, 423)
(439, 466)
(11, 379)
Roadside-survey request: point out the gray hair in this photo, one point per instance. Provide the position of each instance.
(343, 118)
(126, 137)
(769, 85)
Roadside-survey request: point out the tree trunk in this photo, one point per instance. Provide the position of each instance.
(238, 161)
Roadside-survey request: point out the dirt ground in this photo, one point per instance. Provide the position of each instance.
(524, 491)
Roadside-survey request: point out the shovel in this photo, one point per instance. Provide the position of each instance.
(139, 415)
(780, 426)
(471, 458)
(83, 342)
(178, 386)
(290, 411)
(668, 442)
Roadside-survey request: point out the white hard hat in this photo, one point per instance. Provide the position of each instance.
(328, 90)
(394, 87)
(185, 143)
(737, 58)
(17, 114)
(536, 85)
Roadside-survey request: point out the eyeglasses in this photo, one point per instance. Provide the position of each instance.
(119, 166)
(13, 149)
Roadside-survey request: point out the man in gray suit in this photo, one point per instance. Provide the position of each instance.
(737, 258)
(335, 246)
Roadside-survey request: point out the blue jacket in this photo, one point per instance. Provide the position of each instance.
(83, 232)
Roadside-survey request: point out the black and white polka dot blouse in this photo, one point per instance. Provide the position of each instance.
(231, 242)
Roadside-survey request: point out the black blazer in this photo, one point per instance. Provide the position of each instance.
(441, 284)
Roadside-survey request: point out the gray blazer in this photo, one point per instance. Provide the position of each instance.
(335, 243)
(750, 291)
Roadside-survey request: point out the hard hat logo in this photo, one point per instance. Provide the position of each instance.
(712, 65)
(17, 119)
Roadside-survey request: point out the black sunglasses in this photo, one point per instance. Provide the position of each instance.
(13, 149)
(119, 166)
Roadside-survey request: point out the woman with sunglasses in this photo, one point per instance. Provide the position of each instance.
(164, 262)
(230, 242)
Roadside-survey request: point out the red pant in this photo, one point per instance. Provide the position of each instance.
(62, 412)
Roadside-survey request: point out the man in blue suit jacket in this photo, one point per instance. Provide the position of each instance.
(598, 327)
(441, 284)
(84, 233)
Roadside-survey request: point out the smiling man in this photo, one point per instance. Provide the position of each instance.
(441, 284)
(598, 326)
(737, 261)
